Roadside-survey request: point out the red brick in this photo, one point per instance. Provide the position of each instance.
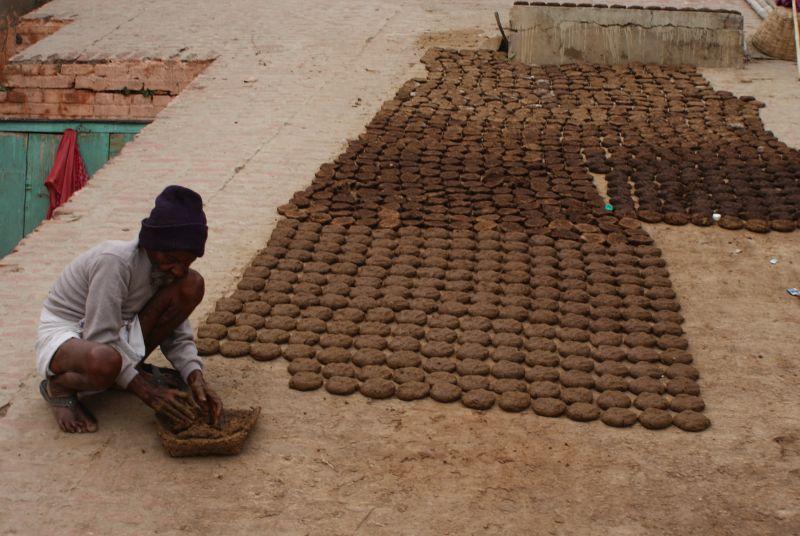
(121, 99)
(78, 69)
(52, 96)
(104, 98)
(12, 68)
(141, 100)
(162, 100)
(49, 111)
(110, 111)
(78, 97)
(3, 96)
(76, 110)
(158, 69)
(31, 69)
(33, 95)
(163, 84)
(9, 108)
(143, 112)
(16, 96)
(42, 82)
(50, 69)
(97, 83)
(113, 70)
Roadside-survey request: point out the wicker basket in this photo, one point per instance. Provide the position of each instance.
(775, 36)
(237, 425)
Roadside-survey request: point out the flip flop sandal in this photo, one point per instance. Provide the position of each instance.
(66, 401)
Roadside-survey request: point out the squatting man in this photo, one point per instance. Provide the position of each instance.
(114, 304)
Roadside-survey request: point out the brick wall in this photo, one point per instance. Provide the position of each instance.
(17, 34)
(114, 90)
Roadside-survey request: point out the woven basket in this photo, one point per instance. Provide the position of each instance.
(237, 425)
(775, 36)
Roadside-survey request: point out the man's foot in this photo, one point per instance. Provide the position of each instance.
(72, 416)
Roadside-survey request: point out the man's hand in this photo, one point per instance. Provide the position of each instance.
(207, 399)
(176, 405)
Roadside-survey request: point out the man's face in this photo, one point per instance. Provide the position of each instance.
(170, 265)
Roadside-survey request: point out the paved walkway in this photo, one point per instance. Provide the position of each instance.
(289, 84)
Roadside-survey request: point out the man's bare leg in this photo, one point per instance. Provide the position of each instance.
(77, 366)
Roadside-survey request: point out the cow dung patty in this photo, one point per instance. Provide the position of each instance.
(507, 369)
(403, 359)
(544, 389)
(377, 388)
(437, 349)
(576, 378)
(341, 385)
(408, 374)
(679, 386)
(445, 392)
(305, 381)
(473, 382)
(571, 395)
(264, 351)
(469, 367)
(412, 390)
(212, 331)
(645, 384)
(207, 346)
(650, 400)
(478, 399)
(374, 371)
(514, 401)
(304, 365)
(691, 421)
(684, 402)
(548, 407)
(655, 419)
(618, 417)
(613, 399)
(234, 348)
(333, 355)
(583, 412)
(365, 357)
(339, 369)
(442, 377)
(541, 374)
(298, 351)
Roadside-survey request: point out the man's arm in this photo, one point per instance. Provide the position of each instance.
(180, 349)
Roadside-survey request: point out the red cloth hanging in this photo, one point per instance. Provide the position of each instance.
(68, 174)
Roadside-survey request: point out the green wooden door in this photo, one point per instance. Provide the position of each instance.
(27, 153)
(41, 154)
(115, 142)
(94, 150)
(13, 150)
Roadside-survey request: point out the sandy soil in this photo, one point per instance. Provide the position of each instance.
(319, 464)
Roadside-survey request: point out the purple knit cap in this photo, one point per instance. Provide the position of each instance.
(176, 223)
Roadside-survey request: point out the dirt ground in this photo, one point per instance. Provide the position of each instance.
(319, 464)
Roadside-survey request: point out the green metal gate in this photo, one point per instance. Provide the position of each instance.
(27, 151)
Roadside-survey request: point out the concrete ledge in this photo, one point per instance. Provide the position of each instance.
(557, 34)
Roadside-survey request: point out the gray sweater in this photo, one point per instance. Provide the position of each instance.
(107, 286)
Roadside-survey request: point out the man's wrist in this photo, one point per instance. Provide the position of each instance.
(194, 376)
(140, 388)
